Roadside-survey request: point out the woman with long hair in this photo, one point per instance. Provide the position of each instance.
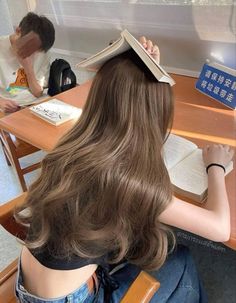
(104, 197)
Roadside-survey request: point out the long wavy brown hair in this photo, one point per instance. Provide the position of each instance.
(103, 187)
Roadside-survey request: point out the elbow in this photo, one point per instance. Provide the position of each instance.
(225, 236)
(38, 93)
(222, 233)
(219, 227)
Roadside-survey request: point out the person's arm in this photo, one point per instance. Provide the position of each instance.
(212, 221)
(8, 106)
(25, 48)
(34, 86)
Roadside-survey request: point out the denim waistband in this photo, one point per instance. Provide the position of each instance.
(84, 293)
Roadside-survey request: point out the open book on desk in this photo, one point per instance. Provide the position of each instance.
(55, 111)
(186, 168)
(22, 97)
(124, 43)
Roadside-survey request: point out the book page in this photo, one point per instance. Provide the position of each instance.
(95, 61)
(176, 149)
(56, 111)
(22, 97)
(190, 174)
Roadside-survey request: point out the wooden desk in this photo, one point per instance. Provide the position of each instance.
(26, 126)
(197, 117)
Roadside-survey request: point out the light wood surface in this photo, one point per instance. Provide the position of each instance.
(33, 130)
(142, 290)
(197, 117)
(7, 283)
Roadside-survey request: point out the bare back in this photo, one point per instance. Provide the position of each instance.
(49, 283)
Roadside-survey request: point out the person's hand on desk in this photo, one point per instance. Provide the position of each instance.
(217, 154)
(213, 220)
(8, 106)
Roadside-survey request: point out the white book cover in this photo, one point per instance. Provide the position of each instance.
(56, 111)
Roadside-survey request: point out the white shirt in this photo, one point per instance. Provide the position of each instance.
(13, 81)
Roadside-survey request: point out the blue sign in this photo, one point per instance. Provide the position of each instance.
(218, 84)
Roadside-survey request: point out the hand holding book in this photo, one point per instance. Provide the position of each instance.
(146, 51)
(153, 50)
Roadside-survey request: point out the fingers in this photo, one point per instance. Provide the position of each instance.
(151, 48)
(11, 109)
(218, 145)
(204, 150)
(226, 147)
(156, 53)
(231, 153)
(143, 41)
(156, 49)
(147, 44)
(10, 106)
(217, 153)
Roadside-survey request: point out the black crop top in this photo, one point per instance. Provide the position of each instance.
(109, 283)
(102, 272)
(46, 259)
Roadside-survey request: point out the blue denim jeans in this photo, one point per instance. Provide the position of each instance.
(178, 277)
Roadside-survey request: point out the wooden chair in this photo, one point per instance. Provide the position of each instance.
(141, 291)
(8, 275)
(14, 149)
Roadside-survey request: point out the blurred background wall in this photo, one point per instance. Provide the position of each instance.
(187, 31)
(6, 24)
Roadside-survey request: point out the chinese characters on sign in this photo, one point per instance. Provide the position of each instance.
(218, 84)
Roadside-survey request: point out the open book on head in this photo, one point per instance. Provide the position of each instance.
(186, 168)
(124, 43)
(55, 111)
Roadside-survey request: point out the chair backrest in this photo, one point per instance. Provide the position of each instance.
(141, 290)
(7, 283)
(14, 149)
